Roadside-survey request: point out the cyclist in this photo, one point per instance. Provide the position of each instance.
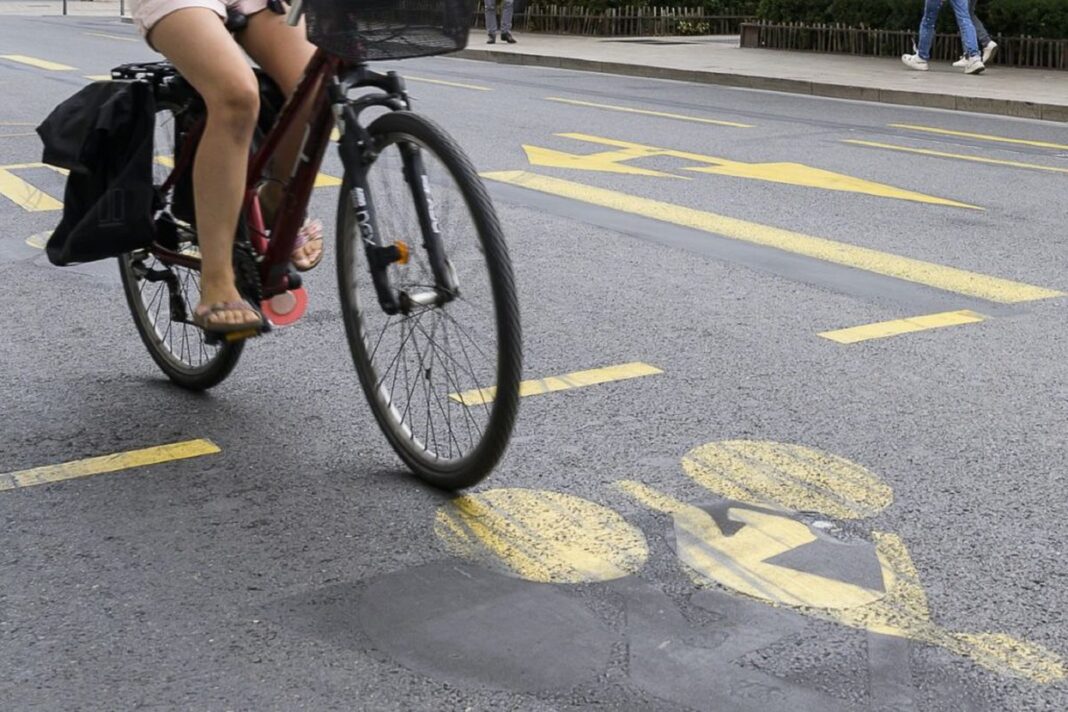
(193, 36)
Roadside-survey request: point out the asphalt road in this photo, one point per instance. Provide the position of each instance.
(777, 520)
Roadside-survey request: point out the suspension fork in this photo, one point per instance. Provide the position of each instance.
(358, 153)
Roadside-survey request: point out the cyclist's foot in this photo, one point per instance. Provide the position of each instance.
(507, 37)
(309, 249)
(227, 317)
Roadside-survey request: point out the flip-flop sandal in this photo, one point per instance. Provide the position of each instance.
(202, 318)
(310, 231)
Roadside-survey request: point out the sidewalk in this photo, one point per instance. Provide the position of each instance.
(75, 8)
(1030, 93)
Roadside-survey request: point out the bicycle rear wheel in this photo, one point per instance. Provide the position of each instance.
(161, 296)
(441, 379)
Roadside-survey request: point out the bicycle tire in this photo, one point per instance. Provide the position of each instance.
(463, 468)
(180, 363)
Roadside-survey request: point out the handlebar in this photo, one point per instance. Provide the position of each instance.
(296, 10)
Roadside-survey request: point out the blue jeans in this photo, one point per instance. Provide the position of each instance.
(964, 24)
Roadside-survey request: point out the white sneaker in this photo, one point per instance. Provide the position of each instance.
(989, 51)
(962, 62)
(913, 61)
(974, 66)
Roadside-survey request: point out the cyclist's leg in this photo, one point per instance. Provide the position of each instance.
(283, 52)
(197, 42)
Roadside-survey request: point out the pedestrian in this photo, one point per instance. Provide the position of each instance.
(506, 21)
(973, 62)
(988, 46)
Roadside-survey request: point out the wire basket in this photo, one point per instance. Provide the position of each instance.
(366, 30)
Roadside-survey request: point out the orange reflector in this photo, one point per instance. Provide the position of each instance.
(403, 251)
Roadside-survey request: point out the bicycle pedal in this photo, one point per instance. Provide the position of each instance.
(231, 337)
(286, 308)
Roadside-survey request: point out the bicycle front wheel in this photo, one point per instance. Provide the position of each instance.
(441, 379)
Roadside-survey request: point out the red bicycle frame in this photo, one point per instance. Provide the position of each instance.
(274, 268)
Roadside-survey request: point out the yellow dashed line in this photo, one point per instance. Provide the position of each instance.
(971, 284)
(578, 379)
(957, 156)
(107, 463)
(98, 77)
(981, 137)
(111, 37)
(39, 63)
(646, 112)
(442, 82)
(897, 327)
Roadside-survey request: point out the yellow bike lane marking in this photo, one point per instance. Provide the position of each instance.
(648, 112)
(541, 536)
(107, 463)
(896, 327)
(797, 174)
(752, 541)
(23, 193)
(568, 381)
(950, 279)
(38, 63)
(980, 137)
(955, 156)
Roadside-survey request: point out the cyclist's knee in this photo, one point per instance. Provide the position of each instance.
(234, 106)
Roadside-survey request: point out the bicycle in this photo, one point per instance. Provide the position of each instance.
(427, 290)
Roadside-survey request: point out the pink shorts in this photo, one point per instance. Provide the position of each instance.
(146, 13)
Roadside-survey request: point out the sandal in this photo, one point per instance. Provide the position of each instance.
(203, 313)
(310, 232)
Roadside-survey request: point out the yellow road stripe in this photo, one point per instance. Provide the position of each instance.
(39, 240)
(960, 281)
(459, 85)
(17, 135)
(39, 63)
(107, 463)
(897, 327)
(542, 536)
(646, 112)
(957, 156)
(25, 195)
(324, 181)
(578, 379)
(98, 77)
(111, 37)
(981, 137)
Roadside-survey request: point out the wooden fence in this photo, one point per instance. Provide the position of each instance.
(1012, 51)
(623, 21)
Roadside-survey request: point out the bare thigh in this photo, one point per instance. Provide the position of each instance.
(198, 44)
(281, 50)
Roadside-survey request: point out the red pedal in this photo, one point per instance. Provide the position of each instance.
(286, 308)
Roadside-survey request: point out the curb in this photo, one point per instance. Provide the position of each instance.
(979, 105)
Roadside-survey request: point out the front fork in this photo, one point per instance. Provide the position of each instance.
(358, 153)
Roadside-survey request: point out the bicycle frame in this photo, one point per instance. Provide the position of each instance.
(325, 86)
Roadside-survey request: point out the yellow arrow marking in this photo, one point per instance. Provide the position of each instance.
(786, 173)
(604, 162)
(40, 240)
(884, 329)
